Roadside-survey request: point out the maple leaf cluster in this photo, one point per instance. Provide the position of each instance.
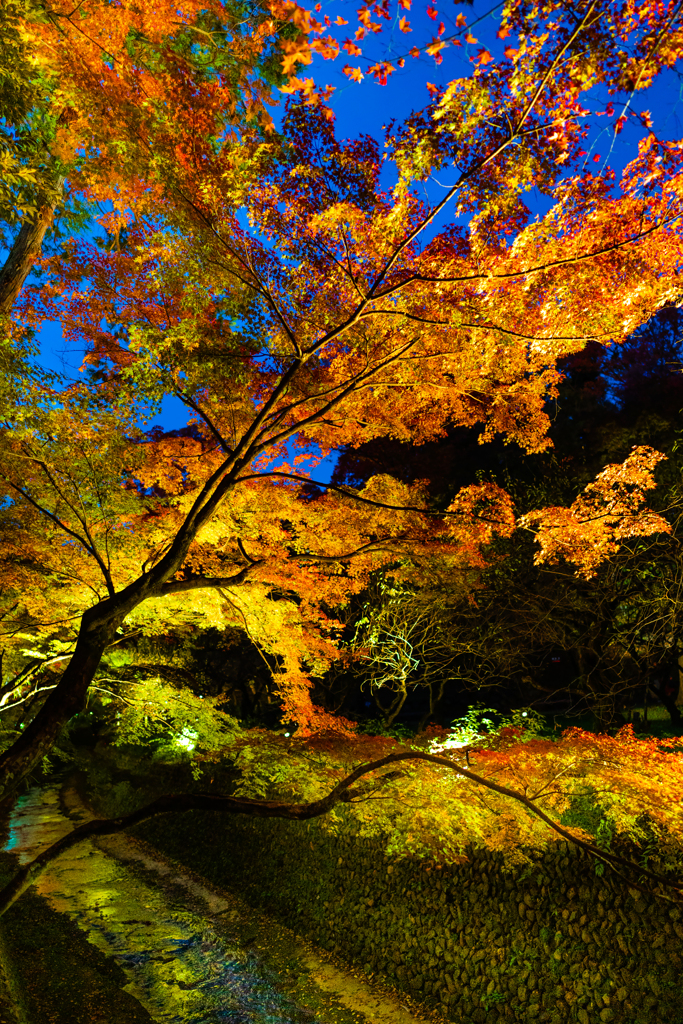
(609, 510)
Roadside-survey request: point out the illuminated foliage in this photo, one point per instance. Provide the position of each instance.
(429, 804)
(298, 293)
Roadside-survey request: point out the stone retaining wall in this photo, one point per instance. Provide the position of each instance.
(549, 943)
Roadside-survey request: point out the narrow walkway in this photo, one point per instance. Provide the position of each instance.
(193, 954)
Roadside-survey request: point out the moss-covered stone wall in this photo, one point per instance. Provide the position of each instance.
(552, 942)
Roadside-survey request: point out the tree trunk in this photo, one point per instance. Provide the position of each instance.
(433, 702)
(23, 254)
(66, 700)
(390, 713)
(98, 629)
(669, 702)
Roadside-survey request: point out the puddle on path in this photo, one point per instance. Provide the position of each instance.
(182, 944)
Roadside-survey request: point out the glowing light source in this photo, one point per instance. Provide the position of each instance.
(187, 739)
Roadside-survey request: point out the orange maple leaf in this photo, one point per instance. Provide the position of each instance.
(434, 49)
(609, 510)
(355, 74)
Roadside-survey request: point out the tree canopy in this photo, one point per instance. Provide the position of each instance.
(302, 293)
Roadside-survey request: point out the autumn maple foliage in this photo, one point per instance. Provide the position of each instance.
(298, 293)
(504, 794)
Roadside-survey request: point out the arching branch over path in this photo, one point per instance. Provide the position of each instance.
(343, 792)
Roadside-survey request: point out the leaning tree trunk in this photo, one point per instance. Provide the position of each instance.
(98, 629)
(66, 700)
(23, 254)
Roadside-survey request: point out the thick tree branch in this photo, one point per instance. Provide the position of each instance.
(208, 582)
(23, 254)
(342, 792)
(355, 383)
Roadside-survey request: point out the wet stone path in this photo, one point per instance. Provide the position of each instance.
(185, 947)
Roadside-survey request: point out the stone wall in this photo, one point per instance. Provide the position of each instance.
(553, 942)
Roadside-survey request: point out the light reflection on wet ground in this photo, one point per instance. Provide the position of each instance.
(180, 969)
(183, 944)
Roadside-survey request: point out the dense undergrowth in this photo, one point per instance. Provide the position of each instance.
(421, 809)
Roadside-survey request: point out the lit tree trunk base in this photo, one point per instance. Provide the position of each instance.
(342, 792)
(65, 701)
